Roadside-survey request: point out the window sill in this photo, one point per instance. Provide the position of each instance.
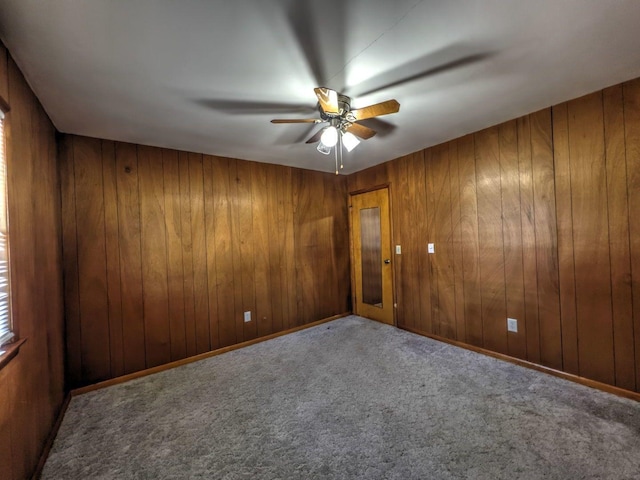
(10, 351)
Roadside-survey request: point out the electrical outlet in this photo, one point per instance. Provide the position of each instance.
(512, 325)
(247, 317)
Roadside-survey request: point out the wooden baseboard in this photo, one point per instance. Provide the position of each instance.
(605, 387)
(202, 356)
(50, 439)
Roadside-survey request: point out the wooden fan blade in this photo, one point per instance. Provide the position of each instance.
(296, 120)
(328, 99)
(383, 108)
(361, 131)
(315, 138)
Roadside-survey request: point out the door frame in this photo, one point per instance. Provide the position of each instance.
(352, 266)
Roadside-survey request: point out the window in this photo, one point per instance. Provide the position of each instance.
(6, 333)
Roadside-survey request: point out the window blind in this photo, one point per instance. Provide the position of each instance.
(5, 295)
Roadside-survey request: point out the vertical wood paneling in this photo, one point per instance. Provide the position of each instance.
(631, 93)
(92, 269)
(154, 256)
(175, 271)
(512, 237)
(190, 242)
(199, 254)
(591, 238)
(405, 313)
(546, 239)
(210, 241)
(246, 240)
(224, 252)
(130, 257)
(275, 226)
(112, 250)
(492, 286)
(529, 255)
(618, 209)
(457, 242)
(32, 383)
(286, 183)
(566, 262)
(260, 229)
(187, 256)
(442, 234)
(305, 240)
(470, 250)
(70, 266)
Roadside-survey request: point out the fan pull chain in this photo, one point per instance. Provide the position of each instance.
(340, 141)
(336, 155)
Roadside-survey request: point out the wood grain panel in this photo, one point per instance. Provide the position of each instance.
(154, 257)
(175, 271)
(32, 383)
(224, 252)
(492, 285)
(246, 254)
(260, 229)
(470, 250)
(133, 332)
(305, 240)
(631, 94)
(199, 254)
(591, 238)
(546, 239)
(92, 268)
(70, 270)
(512, 237)
(210, 241)
(275, 226)
(618, 210)
(529, 254)
(566, 262)
(442, 233)
(187, 256)
(457, 242)
(285, 183)
(112, 250)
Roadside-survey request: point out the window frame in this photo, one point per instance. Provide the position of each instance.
(11, 346)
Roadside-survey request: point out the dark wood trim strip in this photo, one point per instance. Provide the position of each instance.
(51, 438)
(621, 392)
(202, 356)
(10, 351)
(4, 105)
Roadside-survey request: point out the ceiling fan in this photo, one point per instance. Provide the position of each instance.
(342, 129)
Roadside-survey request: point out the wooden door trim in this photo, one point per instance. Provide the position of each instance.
(369, 189)
(388, 187)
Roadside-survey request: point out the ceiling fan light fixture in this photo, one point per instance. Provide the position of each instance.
(330, 136)
(350, 141)
(323, 149)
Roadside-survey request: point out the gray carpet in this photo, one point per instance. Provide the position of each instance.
(348, 399)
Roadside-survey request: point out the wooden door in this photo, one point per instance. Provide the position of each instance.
(371, 255)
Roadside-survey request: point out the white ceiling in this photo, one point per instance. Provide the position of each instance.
(207, 76)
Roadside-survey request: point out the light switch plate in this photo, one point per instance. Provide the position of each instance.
(247, 317)
(398, 249)
(431, 248)
(512, 325)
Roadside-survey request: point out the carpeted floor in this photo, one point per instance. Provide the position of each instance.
(348, 399)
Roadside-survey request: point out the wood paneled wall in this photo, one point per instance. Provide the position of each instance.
(165, 250)
(32, 383)
(531, 219)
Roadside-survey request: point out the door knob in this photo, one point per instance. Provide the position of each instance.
(387, 261)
